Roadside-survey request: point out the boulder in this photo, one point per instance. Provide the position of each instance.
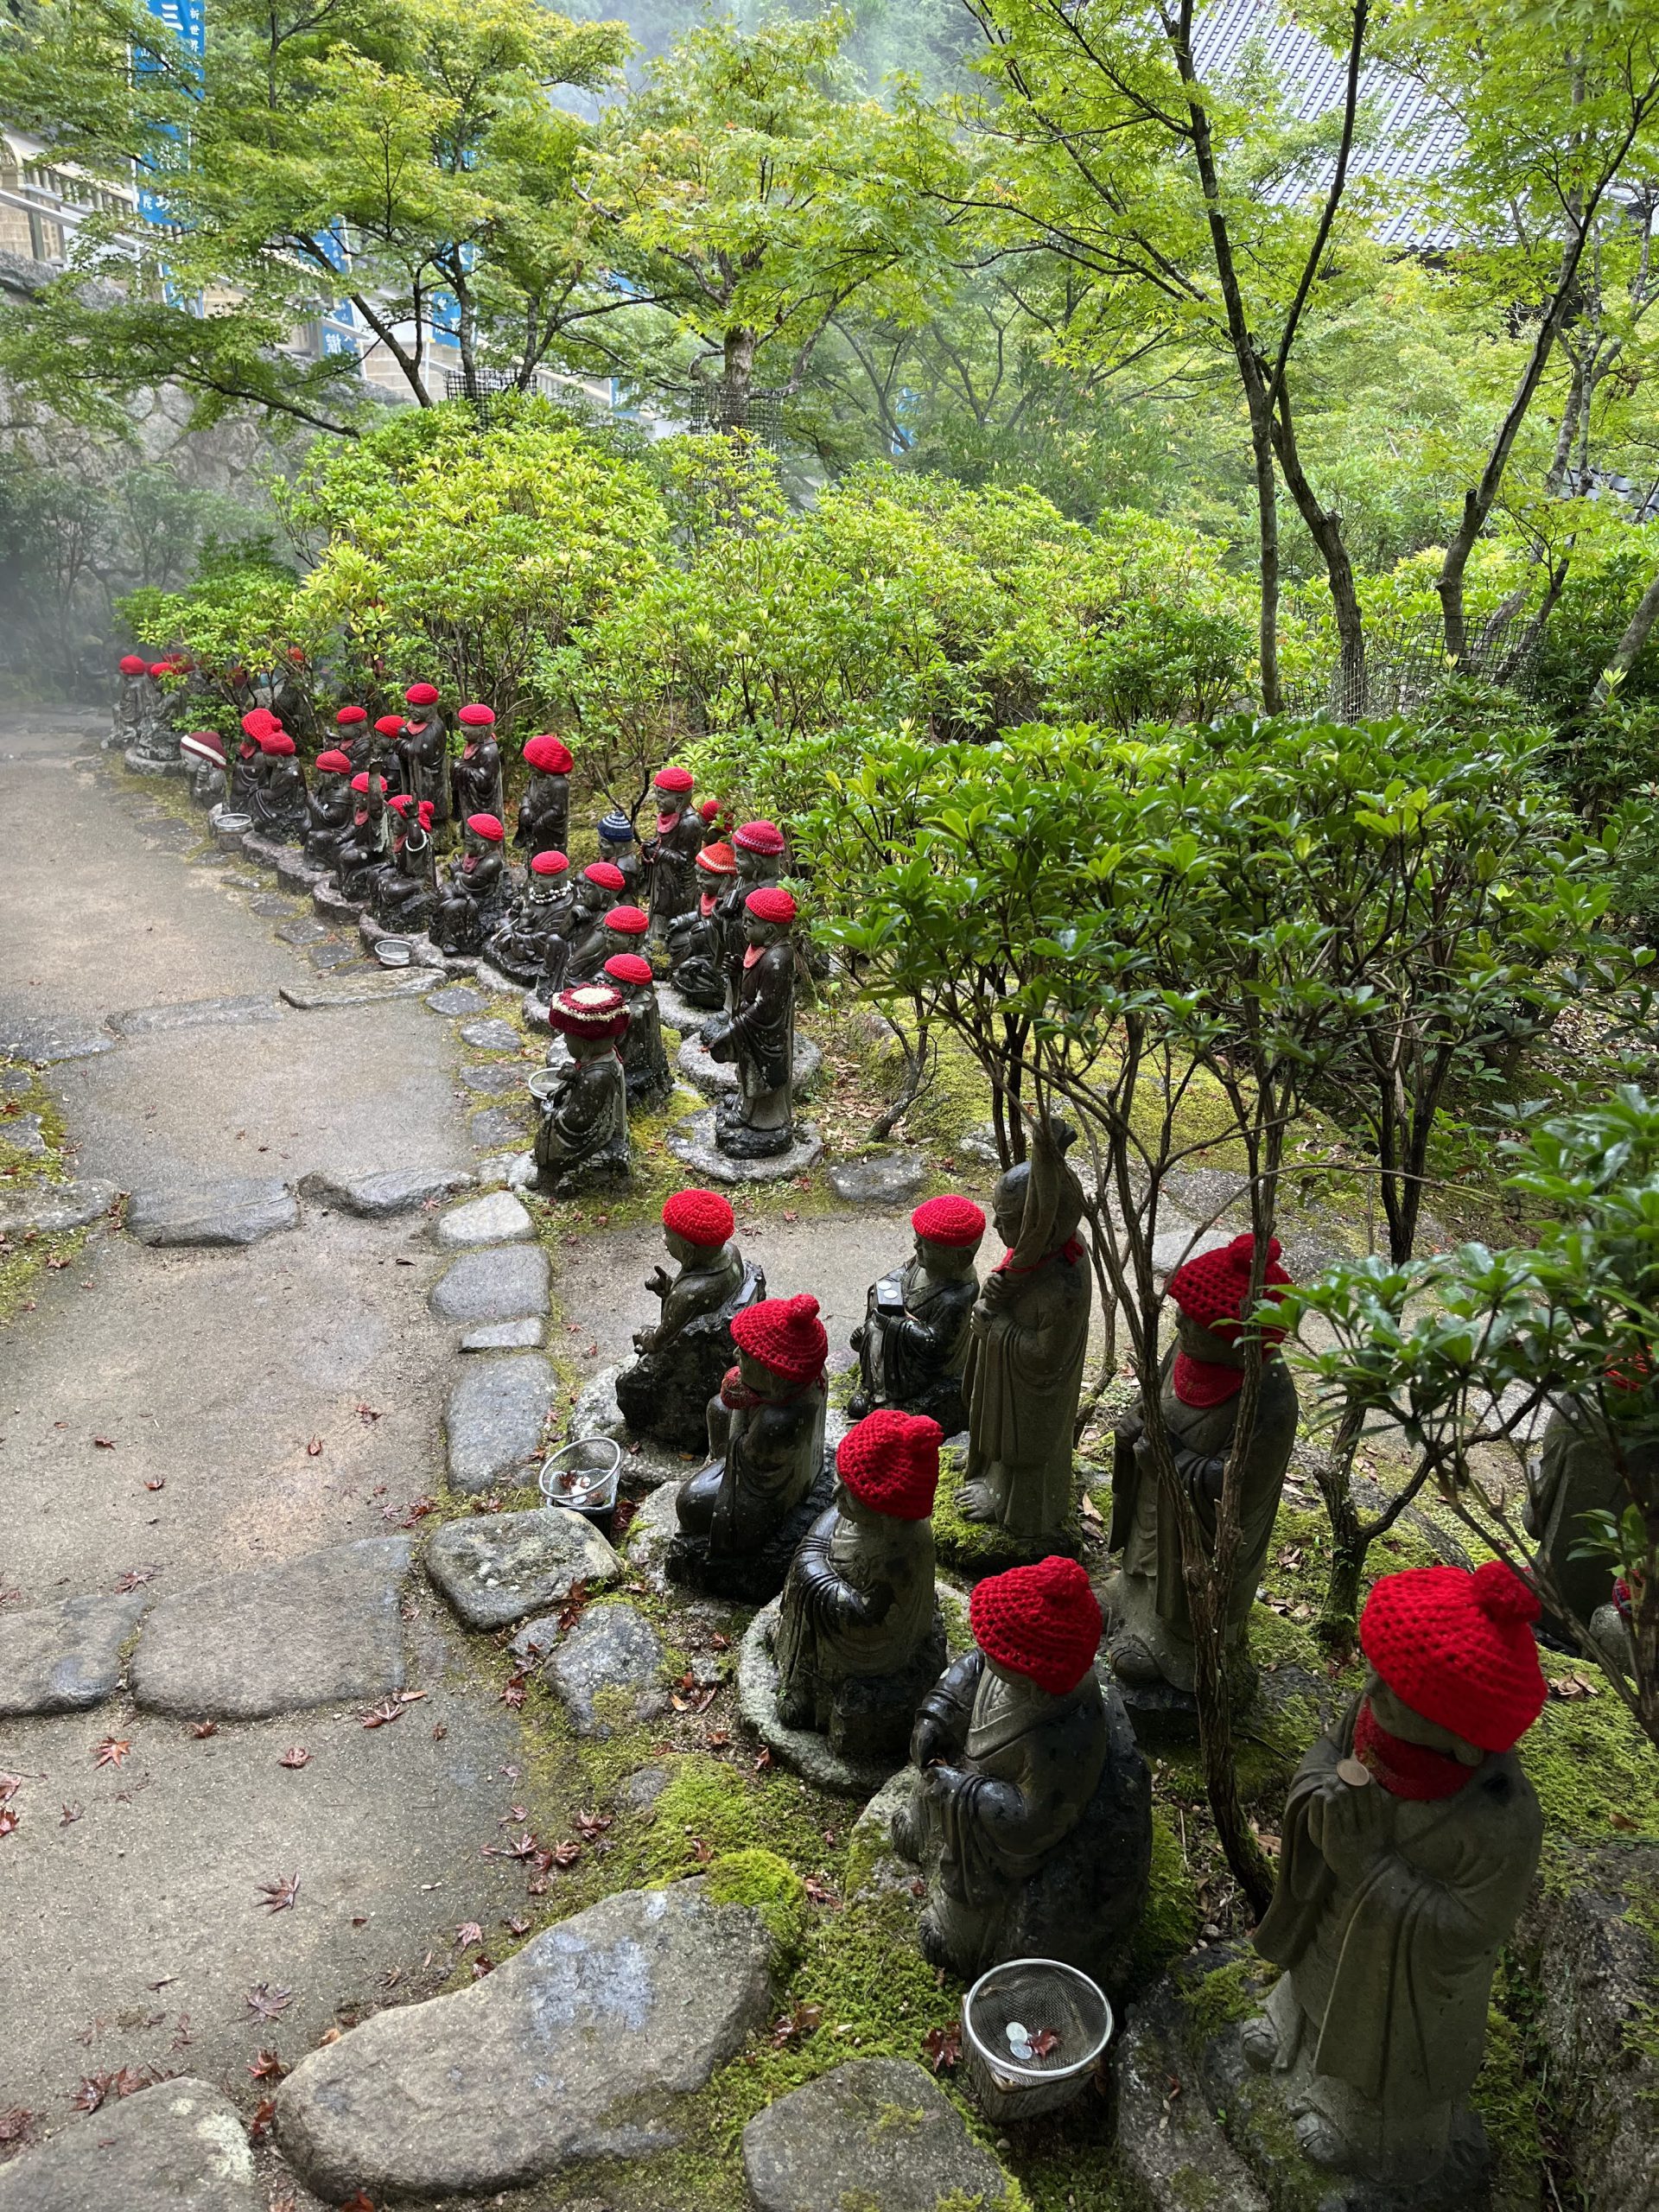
(234, 1209)
(65, 1657)
(496, 1569)
(390, 1191)
(612, 1653)
(179, 2146)
(819, 2149)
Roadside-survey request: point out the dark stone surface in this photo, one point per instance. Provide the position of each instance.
(499, 1126)
(392, 1190)
(494, 1078)
(177, 2146)
(372, 989)
(881, 2120)
(528, 1335)
(492, 1036)
(1173, 2149)
(24, 1133)
(456, 998)
(496, 1218)
(64, 1657)
(495, 1418)
(237, 1211)
(332, 954)
(882, 1179)
(612, 1652)
(194, 1014)
(271, 905)
(503, 1283)
(302, 932)
(50, 1038)
(499, 1568)
(692, 1142)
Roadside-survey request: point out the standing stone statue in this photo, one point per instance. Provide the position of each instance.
(716, 819)
(742, 1516)
(618, 846)
(583, 1137)
(329, 809)
(1582, 1468)
(532, 946)
(591, 943)
(366, 843)
(697, 943)
(405, 889)
(475, 775)
(757, 1121)
(423, 748)
(912, 1345)
(1030, 1811)
(129, 703)
(757, 847)
(278, 803)
(860, 1639)
(475, 892)
(545, 810)
(1149, 1627)
(352, 736)
(1410, 1838)
(684, 1360)
(1030, 1331)
(671, 855)
(645, 1059)
(155, 740)
(204, 750)
(384, 751)
(257, 724)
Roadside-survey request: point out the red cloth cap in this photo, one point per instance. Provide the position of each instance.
(550, 754)
(1209, 1289)
(890, 1461)
(548, 863)
(361, 781)
(772, 903)
(401, 803)
(759, 837)
(1042, 1622)
(257, 721)
(628, 921)
(950, 1220)
(349, 717)
(606, 874)
(389, 725)
(334, 763)
(717, 859)
(477, 717)
(134, 664)
(710, 810)
(277, 741)
(589, 1010)
(160, 668)
(425, 813)
(421, 694)
(1457, 1648)
(702, 1217)
(206, 744)
(628, 968)
(672, 780)
(785, 1334)
(488, 827)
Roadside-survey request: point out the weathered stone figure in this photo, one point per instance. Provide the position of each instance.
(328, 809)
(278, 801)
(645, 1057)
(595, 892)
(128, 700)
(257, 724)
(1031, 1809)
(423, 748)
(860, 1638)
(532, 946)
(682, 1360)
(475, 775)
(618, 847)
(204, 752)
(366, 844)
(696, 942)
(625, 930)
(352, 727)
(545, 810)
(757, 848)
(383, 752)
(154, 737)
(1581, 1469)
(742, 1516)
(1030, 1332)
(405, 889)
(583, 1137)
(1410, 1838)
(758, 1035)
(1148, 1626)
(671, 855)
(475, 895)
(912, 1343)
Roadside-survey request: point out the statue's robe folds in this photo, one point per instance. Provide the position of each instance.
(774, 1453)
(423, 751)
(644, 1057)
(328, 818)
(522, 947)
(584, 1123)
(917, 1360)
(1023, 1377)
(472, 902)
(671, 858)
(543, 823)
(476, 780)
(665, 1392)
(858, 1601)
(696, 947)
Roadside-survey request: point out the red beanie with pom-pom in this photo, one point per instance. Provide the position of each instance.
(1457, 1648)
(1042, 1622)
(890, 1462)
(785, 1334)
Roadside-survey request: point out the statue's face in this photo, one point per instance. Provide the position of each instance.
(761, 1379)
(670, 805)
(853, 1509)
(587, 897)
(1390, 1712)
(947, 1262)
(1008, 1207)
(683, 1251)
(757, 933)
(754, 867)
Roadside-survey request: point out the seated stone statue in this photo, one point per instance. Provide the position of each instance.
(619, 848)
(645, 1057)
(1148, 1627)
(329, 809)
(757, 1122)
(203, 750)
(352, 736)
(246, 765)
(671, 855)
(402, 892)
(768, 1481)
(385, 751)
(696, 942)
(595, 892)
(860, 1639)
(473, 898)
(1030, 1332)
(583, 1137)
(684, 1360)
(533, 943)
(155, 737)
(545, 810)
(1410, 1838)
(1593, 1459)
(365, 846)
(912, 1343)
(1030, 1811)
(278, 800)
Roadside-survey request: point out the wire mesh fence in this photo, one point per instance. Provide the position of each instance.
(1406, 660)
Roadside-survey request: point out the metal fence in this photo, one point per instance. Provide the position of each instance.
(1405, 661)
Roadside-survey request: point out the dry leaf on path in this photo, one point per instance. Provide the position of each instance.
(10, 1821)
(943, 2047)
(295, 1755)
(204, 1728)
(111, 1751)
(269, 2004)
(388, 1710)
(468, 1934)
(279, 1896)
(265, 2066)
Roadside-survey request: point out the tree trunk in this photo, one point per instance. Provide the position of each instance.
(1627, 651)
(1267, 510)
(1349, 1544)
(736, 377)
(1215, 1693)
(1325, 528)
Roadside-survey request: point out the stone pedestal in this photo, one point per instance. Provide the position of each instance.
(693, 1142)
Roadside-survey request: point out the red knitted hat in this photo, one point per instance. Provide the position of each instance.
(421, 694)
(759, 837)
(361, 781)
(628, 968)
(134, 664)
(401, 803)
(672, 780)
(277, 741)
(1457, 1648)
(160, 668)
(488, 827)
(890, 1462)
(548, 863)
(950, 1220)
(1209, 1289)
(348, 717)
(391, 725)
(477, 717)
(628, 921)
(710, 810)
(204, 745)
(1042, 1622)
(785, 1334)
(334, 763)
(772, 903)
(550, 754)
(702, 1217)
(606, 874)
(257, 721)
(717, 859)
(589, 1010)
(425, 812)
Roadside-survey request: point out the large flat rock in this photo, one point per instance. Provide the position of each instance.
(500, 1567)
(608, 1669)
(177, 2147)
(495, 1417)
(238, 1210)
(692, 1142)
(388, 1191)
(63, 1658)
(578, 2047)
(494, 1284)
(372, 990)
(316, 1631)
(194, 1014)
(496, 1218)
(1175, 2150)
(50, 1038)
(880, 2122)
(48, 1207)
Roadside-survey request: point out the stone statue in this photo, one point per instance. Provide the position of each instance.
(1030, 1332)
(696, 942)
(278, 800)
(532, 946)
(405, 889)
(365, 846)
(595, 893)
(645, 1059)
(257, 724)
(860, 1639)
(583, 1137)
(328, 809)
(617, 846)
(1030, 1811)
(1581, 1469)
(130, 702)
(757, 1121)
(545, 810)
(716, 820)
(625, 930)
(757, 848)
(204, 750)
(423, 748)
(742, 1516)
(1410, 1838)
(352, 736)
(475, 895)
(682, 1360)
(475, 777)
(383, 750)
(912, 1345)
(671, 855)
(1148, 1627)
(154, 739)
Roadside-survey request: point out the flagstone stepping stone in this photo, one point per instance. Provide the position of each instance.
(501, 1284)
(578, 2047)
(652, 1529)
(492, 1036)
(65, 1657)
(608, 1670)
(303, 931)
(331, 954)
(816, 2149)
(455, 998)
(237, 1211)
(194, 1014)
(271, 905)
(24, 1133)
(316, 1630)
(497, 1218)
(885, 1178)
(495, 1418)
(177, 2146)
(500, 1125)
(372, 989)
(528, 1335)
(494, 1078)
(392, 1190)
(49, 1207)
(48, 1038)
(496, 1569)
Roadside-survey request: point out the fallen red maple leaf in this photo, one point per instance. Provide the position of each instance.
(517, 1927)
(70, 1815)
(295, 1755)
(1045, 2042)
(156, 1482)
(819, 1891)
(135, 1578)
(8, 1820)
(10, 1785)
(105, 1443)
(268, 2003)
(314, 1449)
(111, 1752)
(944, 2046)
(16, 2124)
(764, 1761)
(467, 1934)
(259, 2126)
(265, 2066)
(389, 1709)
(512, 1692)
(204, 1728)
(361, 2203)
(592, 1824)
(279, 1896)
(701, 1851)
